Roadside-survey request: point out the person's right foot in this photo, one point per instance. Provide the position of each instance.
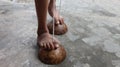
(46, 41)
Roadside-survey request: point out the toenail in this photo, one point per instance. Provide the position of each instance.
(57, 45)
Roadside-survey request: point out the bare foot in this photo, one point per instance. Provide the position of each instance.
(58, 19)
(46, 41)
(54, 13)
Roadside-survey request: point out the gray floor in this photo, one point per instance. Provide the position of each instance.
(93, 39)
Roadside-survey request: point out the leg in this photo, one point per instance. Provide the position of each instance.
(54, 13)
(44, 38)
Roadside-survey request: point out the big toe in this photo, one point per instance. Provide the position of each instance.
(57, 23)
(56, 44)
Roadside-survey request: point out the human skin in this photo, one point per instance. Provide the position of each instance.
(44, 39)
(53, 12)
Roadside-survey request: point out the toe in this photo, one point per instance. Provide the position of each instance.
(56, 46)
(48, 46)
(41, 45)
(57, 21)
(52, 46)
(44, 45)
(61, 20)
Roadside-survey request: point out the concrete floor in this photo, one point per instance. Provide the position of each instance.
(93, 39)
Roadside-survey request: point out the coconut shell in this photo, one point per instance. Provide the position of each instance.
(59, 29)
(52, 56)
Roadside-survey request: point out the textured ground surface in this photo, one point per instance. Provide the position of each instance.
(93, 39)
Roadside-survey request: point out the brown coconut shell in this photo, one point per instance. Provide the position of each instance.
(52, 56)
(59, 29)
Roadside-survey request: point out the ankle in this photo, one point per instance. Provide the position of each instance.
(44, 34)
(39, 33)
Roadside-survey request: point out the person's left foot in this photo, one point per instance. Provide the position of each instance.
(54, 13)
(58, 19)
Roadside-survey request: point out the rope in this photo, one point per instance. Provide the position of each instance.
(53, 29)
(54, 20)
